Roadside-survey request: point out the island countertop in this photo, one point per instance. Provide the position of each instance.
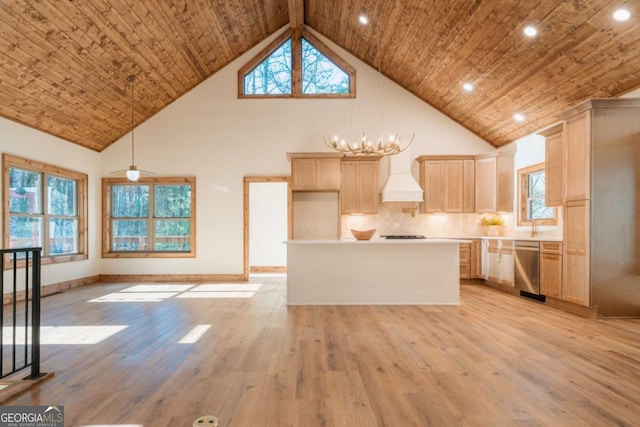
(375, 241)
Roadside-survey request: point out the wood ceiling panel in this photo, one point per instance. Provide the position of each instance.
(64, 65)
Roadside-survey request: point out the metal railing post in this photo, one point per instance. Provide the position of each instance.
(35, 316)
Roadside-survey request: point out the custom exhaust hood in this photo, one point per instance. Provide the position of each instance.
(401, 186)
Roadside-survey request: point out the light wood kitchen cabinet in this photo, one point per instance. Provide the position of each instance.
(470, 260)
(576, 281)
(499, 264)
(494, 182)
(601, 218)
(315, 171)
(359, 187)
(476, 259)
(465, 260)
(578, 155)
(554, 165)
(448, 184)
(551, 269)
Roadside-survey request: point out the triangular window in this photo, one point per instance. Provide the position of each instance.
(320, 74)
(273, 75)
(296, 64)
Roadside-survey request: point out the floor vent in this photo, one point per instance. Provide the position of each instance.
(536, 297)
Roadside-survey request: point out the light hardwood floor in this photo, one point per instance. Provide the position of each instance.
(495, 360)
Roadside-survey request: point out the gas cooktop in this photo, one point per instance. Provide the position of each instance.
(404, 236)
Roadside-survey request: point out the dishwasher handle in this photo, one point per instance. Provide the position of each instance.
(527, 248)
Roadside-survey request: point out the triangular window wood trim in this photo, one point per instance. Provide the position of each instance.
(296, 37)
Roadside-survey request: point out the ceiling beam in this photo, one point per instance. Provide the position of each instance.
(296, 14)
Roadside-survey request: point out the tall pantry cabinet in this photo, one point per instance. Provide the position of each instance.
(601, 259)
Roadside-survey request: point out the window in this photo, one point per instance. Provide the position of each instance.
(153, 217)
(296, 64)
(531, 187)
(47, 208)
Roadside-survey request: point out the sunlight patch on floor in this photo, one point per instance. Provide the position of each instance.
(161, 292)
(195, 334)
(135, 297)
(50, 335)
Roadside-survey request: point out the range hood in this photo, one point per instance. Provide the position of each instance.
(401, 186)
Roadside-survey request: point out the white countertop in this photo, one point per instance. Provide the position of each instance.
(377, 241)
(533, 239)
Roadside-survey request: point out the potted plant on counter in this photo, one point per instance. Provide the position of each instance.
(492, 225)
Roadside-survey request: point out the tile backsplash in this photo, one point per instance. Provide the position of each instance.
(405, 218)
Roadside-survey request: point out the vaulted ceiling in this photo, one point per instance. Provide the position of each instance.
(64, 64)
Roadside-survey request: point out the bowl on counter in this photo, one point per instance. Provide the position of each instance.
(363, 234)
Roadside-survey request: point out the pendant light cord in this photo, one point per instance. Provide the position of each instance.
(132, 79)
(380, 81)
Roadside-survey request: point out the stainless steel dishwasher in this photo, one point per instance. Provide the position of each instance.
(527, 268)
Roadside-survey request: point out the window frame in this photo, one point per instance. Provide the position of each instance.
(107, 184)
(296, 37)
(523, 197)
(82, 211)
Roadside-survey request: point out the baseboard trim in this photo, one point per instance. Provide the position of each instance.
(266, 269)
(569, 307)
(53, 288)
(160, 278)
(589, 312)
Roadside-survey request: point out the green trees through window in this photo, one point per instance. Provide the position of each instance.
(150, 217)
(297, 64)
(45, 208)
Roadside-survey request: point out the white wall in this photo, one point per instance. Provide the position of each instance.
(211, 134)
(28, 143)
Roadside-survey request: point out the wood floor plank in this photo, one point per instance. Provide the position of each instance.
(494, 360)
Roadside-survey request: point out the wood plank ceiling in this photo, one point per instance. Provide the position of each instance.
(64, 65)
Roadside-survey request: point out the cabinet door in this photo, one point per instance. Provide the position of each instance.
(554, 169)
(465, 260)
(434, 183)
(576, 280)
(551, 275)
(349, 191)
(486, 184)
(493, 261)
(359, 187)
(303, 174)
(578, 156)
(476, 259)
(327, 174)
(507, 263)
(368, 187)
(469, 187)
(454, 186)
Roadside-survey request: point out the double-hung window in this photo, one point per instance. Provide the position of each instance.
(153, 217)
(46, 208)
(531, 200)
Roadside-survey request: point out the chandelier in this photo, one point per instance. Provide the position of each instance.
(364, 146)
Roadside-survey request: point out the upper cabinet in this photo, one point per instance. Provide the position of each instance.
(448, 184)
(315, 171)
(578, 152)
(494, 182)
(554, 165)
(359, 188)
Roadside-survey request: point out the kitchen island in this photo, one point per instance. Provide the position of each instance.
(336, 272)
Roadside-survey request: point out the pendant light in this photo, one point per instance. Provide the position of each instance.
(132, 173)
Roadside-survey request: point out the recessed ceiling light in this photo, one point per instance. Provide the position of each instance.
(468, 87)
(518, 117)
(363, 19)
(530, 31)
(621, 15)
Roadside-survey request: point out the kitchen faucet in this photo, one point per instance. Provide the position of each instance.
(534, 228)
